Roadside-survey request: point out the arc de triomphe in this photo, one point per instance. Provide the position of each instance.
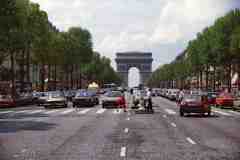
(141, 60)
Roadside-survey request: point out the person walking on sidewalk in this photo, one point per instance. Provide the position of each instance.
(149, 100)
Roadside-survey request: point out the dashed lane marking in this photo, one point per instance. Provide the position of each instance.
(5, 112)
(51, 112)
(123, 152)
(234, 112)
(100, 111)
(35, 111)
(190, 140)
(67, 111)
(169, 111)
(173, 124)
(117, 111)
(84, 111)
(128, 119)
(222, 113)
(126, 130)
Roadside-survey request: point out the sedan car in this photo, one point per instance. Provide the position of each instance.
(7, 101)
(194, 104)
(113, 99)
(83, 99)
(55, 99)
(225, 100)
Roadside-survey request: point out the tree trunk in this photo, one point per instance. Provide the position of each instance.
(42, 72)
(214, 77)
(21, 71)
(71, 76)
(207, 78)
(28, 62)
(201, 79)
(13, 89)
(55, 77)
(229, 77)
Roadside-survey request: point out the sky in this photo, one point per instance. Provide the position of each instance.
(162, 27)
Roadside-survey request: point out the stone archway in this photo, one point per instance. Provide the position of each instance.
(141, 60)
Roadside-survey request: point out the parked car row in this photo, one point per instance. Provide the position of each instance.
(51, 98)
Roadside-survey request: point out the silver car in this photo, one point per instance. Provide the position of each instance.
(55, 99)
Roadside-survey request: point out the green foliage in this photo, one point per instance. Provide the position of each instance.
(217, 45)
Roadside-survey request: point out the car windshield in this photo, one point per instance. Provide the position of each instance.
(56, 94)
(83, 94)
(5, 96)
(113, 94)
(227, 95)
(194, 98)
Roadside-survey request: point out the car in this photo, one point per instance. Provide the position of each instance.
(95, 97)
(54, 99)
(225, 100)
(113, 99)
(42, 96)
(20, 100)
(70, 94)
(194, 104)
(173, 94)
(84, 99)
(212, 97)
(7, 101)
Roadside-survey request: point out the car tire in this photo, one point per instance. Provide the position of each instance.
(181, 113)
(103, 106)
(209, 113)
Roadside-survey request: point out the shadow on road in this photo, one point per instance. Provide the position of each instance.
(201, 116)
(16, 126)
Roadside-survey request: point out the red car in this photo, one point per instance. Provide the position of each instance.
(194, 104)
(225, 99)
(7, 101)
(113, 99)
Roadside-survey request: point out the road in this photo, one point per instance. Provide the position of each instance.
(33, 133)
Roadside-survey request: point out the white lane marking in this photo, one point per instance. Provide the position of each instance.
(123, 152)
(222, 113)
(173, 124)
(169, 111)
(128, 119)
(67, 111)
(34, 112)
(126, 130)
(100, 111)
(84, 111)
(190, 140)
(19, 112)
(164, 116)
(117, 111)
(23, 150)
(50, 112)
(5, 112)
(234, 112)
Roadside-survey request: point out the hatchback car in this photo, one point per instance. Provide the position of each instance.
(194, 104)
(225, 100)
(84, 99)
(113, 99)
(55, 99)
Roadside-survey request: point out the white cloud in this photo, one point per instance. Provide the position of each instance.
(160, 26)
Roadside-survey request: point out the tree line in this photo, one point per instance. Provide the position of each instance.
(210, 61)
(28, 38)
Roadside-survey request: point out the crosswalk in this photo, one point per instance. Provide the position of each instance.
(214, 110)
(68, 111)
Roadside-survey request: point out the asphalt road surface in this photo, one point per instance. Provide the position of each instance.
(34, 133)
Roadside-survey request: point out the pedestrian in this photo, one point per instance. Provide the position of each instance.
(149, 100)
(180, 96)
